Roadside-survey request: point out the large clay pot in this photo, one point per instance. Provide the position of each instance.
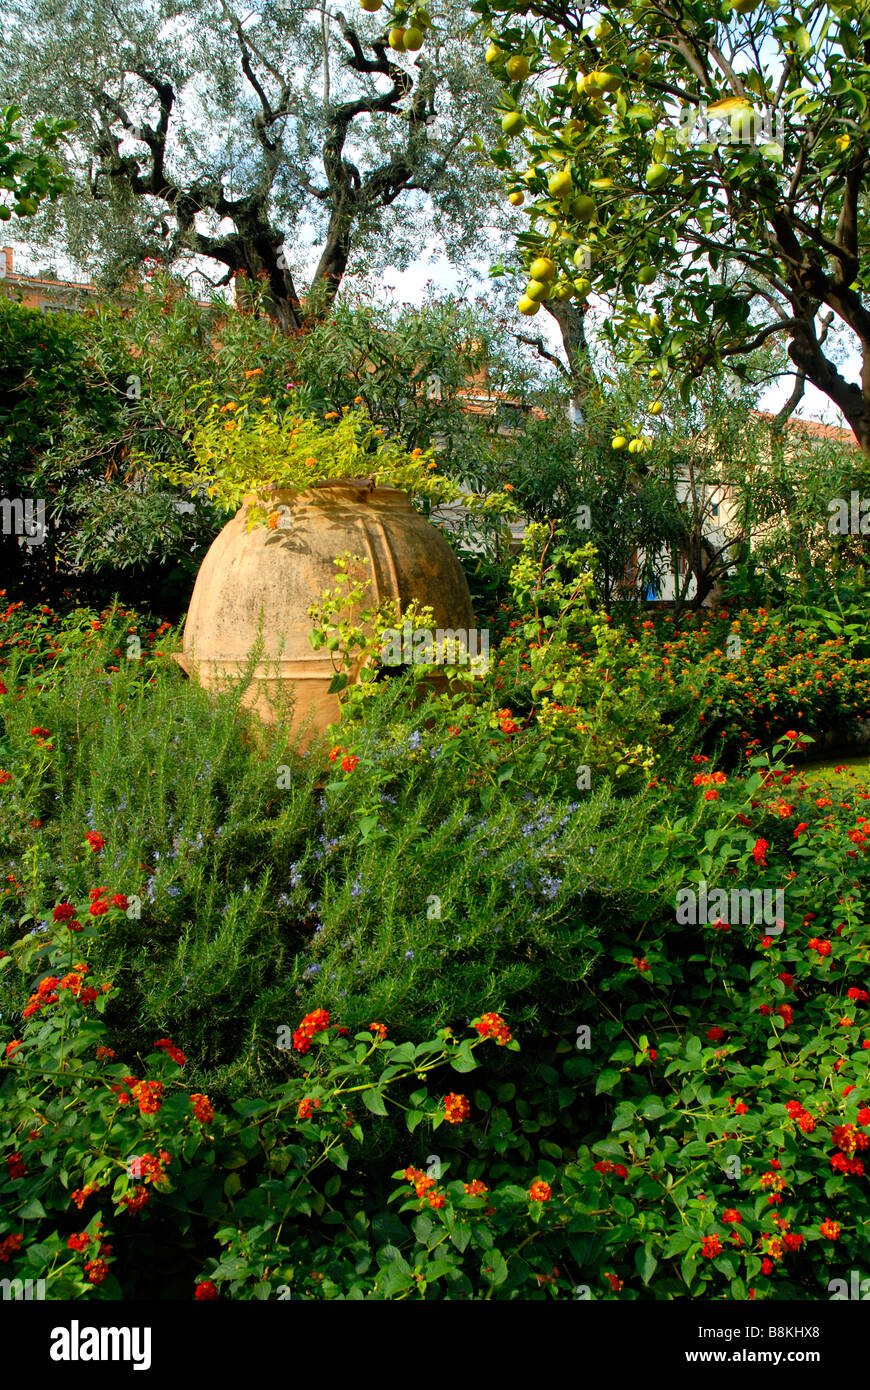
(275, 575)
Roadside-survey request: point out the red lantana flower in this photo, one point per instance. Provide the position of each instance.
(9, 1245)
(96, 1271)
(202, 1108)
(166, 1045)
(493, 1026)
(316, 1022)
(148, 1096)
(456, 1108)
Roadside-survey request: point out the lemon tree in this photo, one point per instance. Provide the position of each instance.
(708, 164)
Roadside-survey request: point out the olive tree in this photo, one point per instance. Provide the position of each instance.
(242, 137)
(29, 172)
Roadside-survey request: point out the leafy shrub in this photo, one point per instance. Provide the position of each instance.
(753, 674)
(263, 884)
(252, 444)
(697, 1130)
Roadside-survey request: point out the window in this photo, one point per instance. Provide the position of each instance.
(509, 413)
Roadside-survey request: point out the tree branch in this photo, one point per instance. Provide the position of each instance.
(538, 345)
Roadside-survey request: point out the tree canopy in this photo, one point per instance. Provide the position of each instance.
(259, 138)
(30, 173)
(703, 167)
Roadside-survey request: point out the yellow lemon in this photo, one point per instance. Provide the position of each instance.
(517, 68)
(542, 269)
(560, 184)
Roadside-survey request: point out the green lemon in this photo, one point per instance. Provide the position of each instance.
(513, 122)
(583, 207)
(608, 81)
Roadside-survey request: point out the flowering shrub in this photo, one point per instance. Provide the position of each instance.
(687, 1115)
(735, 1061)
(250, 444)
(706, 1137)
(754, 673)
(87, 1148)
(559, 695)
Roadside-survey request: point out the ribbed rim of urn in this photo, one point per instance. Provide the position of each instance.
(357, 490)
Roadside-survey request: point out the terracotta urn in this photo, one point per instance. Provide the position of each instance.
(261, 583)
